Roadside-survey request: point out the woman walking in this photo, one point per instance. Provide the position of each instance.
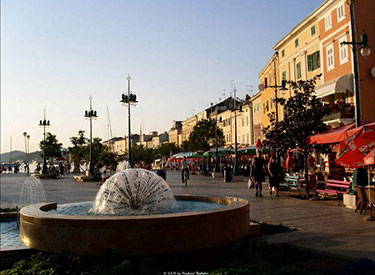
(274, 172)
(258, 169)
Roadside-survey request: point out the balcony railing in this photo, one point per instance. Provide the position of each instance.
(344, 112)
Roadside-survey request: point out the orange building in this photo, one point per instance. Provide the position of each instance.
(336, 86)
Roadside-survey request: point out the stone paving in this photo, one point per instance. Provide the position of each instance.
(322, 225)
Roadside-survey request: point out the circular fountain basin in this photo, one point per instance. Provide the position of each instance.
(136, 235)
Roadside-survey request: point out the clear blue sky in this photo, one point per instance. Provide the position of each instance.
(181, 55)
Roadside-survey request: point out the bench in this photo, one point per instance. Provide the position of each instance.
(333, 187)
(291, 182)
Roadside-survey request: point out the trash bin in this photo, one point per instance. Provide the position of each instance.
(162, 173)
(227, 174)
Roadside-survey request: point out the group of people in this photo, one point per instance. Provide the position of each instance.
(259, 168)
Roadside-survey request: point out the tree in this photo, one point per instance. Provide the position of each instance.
(51, 147)
(77, 152)
(143, 156)
(303, 117)
(203, 135)
(167, 149)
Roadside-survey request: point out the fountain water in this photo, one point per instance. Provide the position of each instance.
(32, 191)
(134, 191)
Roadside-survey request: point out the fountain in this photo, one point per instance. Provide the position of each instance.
(32, 191)
(135, 213)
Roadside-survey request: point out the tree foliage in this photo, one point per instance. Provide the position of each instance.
(77, 151)
(166, 149)
(202, 138)
(51, 146)
(303, 117)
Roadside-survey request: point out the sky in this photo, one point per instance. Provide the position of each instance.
(181, 56)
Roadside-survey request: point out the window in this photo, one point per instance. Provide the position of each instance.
(313, 61)
(340, 13)
(296, 43)
(247, 138)
(330, 57)
(282, 53)
(247, 121)
(243, 138)
(243, 122)
(343, 50)
(271, 100)
(313, 31)
(299, 73)
(270, 79)
(284, 75)
(328, 22)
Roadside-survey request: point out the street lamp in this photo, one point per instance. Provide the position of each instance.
(44, 123)
(365, 52)
(235, 168)
(28, 153)
(26, 161)
(127, 100)
(217, 166)
(90, 115)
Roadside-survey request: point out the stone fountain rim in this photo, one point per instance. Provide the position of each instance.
(38, 211)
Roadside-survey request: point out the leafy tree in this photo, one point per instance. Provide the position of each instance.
(51, 146)
(143, 156)
(203, 135)
(303, 117)
(166, 149)
(77, 152)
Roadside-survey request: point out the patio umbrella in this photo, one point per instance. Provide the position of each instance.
(251, 150)
(357, 146)
(370, 158)
(221, 151)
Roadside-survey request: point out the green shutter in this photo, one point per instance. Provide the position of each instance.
(299, 74)
(284, 75)
(310, 62)
(317, 59)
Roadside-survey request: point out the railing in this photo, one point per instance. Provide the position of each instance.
(344, 112)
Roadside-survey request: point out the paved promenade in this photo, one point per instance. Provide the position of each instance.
(322, 225)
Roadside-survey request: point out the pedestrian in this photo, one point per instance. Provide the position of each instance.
(184, 167)
(274, 171)
(61, 169)
(258, 169)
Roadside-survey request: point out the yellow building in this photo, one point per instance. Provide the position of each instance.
(244, 125)
(267, 77)
(225, 124)
(187, 127)
(299, 55)
(256, 118)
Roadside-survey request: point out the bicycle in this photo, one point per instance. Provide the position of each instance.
(185, 177)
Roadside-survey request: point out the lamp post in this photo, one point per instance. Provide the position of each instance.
(44, 123)
(217, 166)
(127, 100)
(90, 115)
(365, 52)
(28, 153)
(26, 161)
(235, 168)
(282, 87)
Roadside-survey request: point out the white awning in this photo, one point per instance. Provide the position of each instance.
(341, 84)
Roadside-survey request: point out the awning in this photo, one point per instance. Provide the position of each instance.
(338, 85)
(332, 136)
(336, 135)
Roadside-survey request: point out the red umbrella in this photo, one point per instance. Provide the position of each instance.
(370, 158)
(357, 146)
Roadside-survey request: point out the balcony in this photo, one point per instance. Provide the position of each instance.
(341, 113)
